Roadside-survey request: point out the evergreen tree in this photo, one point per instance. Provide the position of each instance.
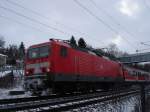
(21, 51)
(2, 41)
(13, 54)
(82, 43)
(2, 44)
(73, 41)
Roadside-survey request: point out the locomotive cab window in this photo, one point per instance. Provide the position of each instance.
(33, 53)
(39, 52)
(63, 51)
(44, 51)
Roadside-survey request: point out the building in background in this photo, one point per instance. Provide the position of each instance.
(3, 59)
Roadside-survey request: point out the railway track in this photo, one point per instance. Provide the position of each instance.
(57, 103)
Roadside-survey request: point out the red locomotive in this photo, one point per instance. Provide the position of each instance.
(61, 67)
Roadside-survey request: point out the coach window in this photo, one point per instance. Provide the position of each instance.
(63, 51)
(134, 73)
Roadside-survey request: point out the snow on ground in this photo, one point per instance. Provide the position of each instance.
(18, 85)
(2, 74)
(16, 73)
(130, 104)
(4, 93)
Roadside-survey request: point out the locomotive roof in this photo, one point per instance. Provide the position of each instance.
(41, 44)
(66, 43)
(63, 43)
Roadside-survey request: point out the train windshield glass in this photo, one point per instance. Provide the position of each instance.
(39, 52)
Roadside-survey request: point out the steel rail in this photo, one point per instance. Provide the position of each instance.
(35, 98)
(59, 101)
(25, 99)
(73, 105)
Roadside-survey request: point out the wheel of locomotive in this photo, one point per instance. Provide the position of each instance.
(82, 87)
(105, 86)
(57, 88)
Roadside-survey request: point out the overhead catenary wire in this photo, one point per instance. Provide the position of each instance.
(39, 14)
(148, 7)
(48, 18)
(112, 19)
(34, 20)
(23, 24)
(139, 50)
(146, 42)
(31, 19)
(103, 22)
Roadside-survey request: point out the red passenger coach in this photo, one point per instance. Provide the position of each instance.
(135, 75)
(59, 65)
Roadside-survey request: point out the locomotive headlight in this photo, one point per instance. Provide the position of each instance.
(27, 72)
(47, 69)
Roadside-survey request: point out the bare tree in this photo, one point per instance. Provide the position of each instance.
(114, 50)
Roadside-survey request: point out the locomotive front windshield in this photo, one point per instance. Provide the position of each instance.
(38, 52)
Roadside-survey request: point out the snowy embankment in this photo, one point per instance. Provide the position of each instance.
(16, 73)
(4, 93)
(4, 73)
(11, 80)
(128, 104)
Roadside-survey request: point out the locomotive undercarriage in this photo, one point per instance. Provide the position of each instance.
(36, 84)
(44, 85)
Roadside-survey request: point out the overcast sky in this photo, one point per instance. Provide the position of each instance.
(123, 22)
